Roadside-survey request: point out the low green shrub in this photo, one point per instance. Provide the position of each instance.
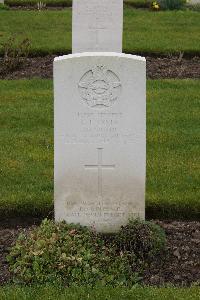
(13, 51)
(138, 3)
(4, 6)
(75, 255)
(172, 4)
(144, 239)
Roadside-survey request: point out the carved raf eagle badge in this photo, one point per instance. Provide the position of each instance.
(99, 87)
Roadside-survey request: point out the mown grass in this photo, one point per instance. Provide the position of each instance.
(26, 152)
(173, 136)
(55, 293)
(144, 31)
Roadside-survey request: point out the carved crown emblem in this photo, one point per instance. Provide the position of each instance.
(99, 87)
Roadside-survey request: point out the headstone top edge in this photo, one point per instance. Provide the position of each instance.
(99, 54)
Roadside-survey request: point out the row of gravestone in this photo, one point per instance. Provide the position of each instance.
(100, 122)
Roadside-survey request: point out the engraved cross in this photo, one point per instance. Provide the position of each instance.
(100, 166)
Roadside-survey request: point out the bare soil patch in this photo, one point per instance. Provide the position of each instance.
(173, 67)
(179, 266)
(157, 68)
(34, 7)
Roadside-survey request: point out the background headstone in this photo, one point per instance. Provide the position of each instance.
(100, 142)
(2, 1)
(194, 1)
(97, 26)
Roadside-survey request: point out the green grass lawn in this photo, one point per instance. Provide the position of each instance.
(54, 293)
(173, 136)
(144, 31)
(26, 152)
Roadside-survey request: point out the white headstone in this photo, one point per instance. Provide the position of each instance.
(2, 1)
(97, 26)
(194, 1)
(100, 143)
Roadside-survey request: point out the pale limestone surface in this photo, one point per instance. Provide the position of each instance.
(100, 139)
(194, 1)
(2, 1)
(97, 26)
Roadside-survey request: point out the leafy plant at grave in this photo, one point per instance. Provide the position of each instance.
(13, 51)
(138, 3)
(4, 6)
(155, 5)
(144, 239)
(74, 255)
(41, 5)
(172, 4)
